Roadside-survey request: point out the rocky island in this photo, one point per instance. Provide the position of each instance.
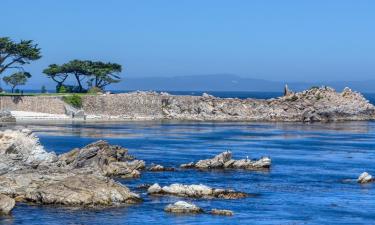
(315, 104)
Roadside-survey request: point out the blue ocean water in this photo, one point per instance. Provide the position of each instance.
(312, 179)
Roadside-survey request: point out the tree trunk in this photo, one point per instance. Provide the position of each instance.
(79, 82)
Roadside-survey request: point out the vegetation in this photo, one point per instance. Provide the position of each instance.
(89, 76)
(97, 74)
(14, 55)
(74, 100)
(16, 79)
(43, 89)
(94, 90)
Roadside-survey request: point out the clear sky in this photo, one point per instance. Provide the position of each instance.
(297, 40)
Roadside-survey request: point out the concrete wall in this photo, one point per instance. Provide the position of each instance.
(43, 104)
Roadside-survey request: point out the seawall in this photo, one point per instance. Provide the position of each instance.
(41, 104)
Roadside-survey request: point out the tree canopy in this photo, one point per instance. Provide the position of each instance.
(104, 74)
(16, 79)
(14, 55)
(96, 73)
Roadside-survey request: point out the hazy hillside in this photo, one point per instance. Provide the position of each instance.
(226, 82)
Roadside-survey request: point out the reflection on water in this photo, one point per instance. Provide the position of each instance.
(304, 186)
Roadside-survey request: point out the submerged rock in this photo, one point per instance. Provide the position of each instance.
(365, 178)
(144, 186)
(222, 212)
(6, 204)
(183, 207)
(159, 168)
(224, 161)
(195, 191)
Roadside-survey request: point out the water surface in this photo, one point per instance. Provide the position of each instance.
(304, 186)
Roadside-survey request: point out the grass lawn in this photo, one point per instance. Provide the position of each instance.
(46, 94)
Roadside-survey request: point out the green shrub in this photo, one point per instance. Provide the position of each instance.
(43, 89)
(62, 89)
(95, 90)
(73, 100)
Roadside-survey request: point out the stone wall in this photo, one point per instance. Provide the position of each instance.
(42, 104)
(141, 105)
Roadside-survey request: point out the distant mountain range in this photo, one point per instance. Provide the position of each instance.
(226, 82)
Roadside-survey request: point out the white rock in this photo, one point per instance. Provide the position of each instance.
(155, 188)
(365, 178)
(183, 207)
(22, 148)
(6, 204)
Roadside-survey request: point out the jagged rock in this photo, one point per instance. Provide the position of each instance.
(315, 104)
(82, 190)
(154, 189)
(365, 178)
(287, 91)
(6, 204)
(224, 160)
(77, 178)
(65, 188)
(159, 168)
(21, 149)
(183, 207)
(195, 191)
(100, 157)
(222, 212)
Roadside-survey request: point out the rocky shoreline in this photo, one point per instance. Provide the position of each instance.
(315, 104)
(84, 177)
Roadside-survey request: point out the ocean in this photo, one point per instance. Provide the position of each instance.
(312, 179)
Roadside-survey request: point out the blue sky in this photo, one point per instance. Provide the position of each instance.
(274, 40)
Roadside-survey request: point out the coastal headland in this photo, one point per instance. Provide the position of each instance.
(314, 104)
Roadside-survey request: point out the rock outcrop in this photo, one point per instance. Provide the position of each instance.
(222, 212)
(103, 158)
(80, 177)
(6, 204)
(315, 104)
(21, 149)
(224, 161)
(159, 168)
(65, 188)
(195, 191)
(365, 178)
(183, 207)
